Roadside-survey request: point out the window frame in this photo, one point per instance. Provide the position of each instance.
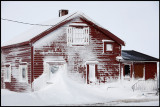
(105, 42)
(71, 31)
(106, 47)
(21, 66)
(10, 71)
(87, 64)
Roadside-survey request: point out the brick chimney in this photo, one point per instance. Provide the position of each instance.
(63, 12)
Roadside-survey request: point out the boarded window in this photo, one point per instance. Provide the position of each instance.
(77, 36)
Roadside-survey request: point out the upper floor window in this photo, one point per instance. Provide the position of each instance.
(23, 73)
(108, 46)
(7, 74)
(77, 36)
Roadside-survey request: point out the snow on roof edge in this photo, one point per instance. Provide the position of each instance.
(31, 33)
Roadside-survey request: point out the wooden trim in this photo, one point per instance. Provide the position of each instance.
(96, 71)
(32, 66)
(87, 74)
(15, 45)
(104, 31)
(131, 71)
(7, 65)
(104, 47)
(46, 32)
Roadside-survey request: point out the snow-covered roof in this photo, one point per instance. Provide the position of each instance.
(131, 55)
(37, 30)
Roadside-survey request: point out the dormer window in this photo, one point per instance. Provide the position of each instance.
(77, 35)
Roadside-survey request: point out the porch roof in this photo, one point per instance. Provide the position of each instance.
(131, 55)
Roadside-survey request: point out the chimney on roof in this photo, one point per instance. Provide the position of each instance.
(63, 12)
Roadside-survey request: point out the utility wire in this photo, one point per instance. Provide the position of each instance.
(24, 22)
(28, 23)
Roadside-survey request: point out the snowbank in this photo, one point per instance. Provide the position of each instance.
(65, 91)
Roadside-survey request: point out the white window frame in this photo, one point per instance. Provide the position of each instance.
(77, 36)
(92, 73)
(91, 63)
(5, 74)
(20, 72)
(107, 42)
(47, 68)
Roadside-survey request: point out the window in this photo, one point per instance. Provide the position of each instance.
(77, 36)
(54, 68)
(7, 73)
(23, 73)
(109, 47)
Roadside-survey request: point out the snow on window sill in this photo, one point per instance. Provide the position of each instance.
(7, 81)
(78, 44)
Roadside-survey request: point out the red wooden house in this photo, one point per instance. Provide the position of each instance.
(73, 42)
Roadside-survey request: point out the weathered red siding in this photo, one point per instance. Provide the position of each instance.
(138, 70)
(107, 68)
(150, 70)
(15, 56)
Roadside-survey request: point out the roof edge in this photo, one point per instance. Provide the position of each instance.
(105, 31)
(156, 59)
(15, 45)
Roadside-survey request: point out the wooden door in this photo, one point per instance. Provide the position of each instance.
(138, 70)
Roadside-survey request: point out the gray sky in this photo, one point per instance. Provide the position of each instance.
(137, 23)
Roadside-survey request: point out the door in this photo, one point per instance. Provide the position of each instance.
(138, 70)
(127, 70)
(92, 75)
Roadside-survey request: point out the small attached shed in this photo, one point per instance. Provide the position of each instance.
(138, 65)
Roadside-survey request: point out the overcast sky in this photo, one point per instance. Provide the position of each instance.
(136, 23)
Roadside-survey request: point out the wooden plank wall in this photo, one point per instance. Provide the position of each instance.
(15, 56)
(150, 70)
(76, 56)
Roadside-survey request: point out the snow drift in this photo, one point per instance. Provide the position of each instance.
(64, 91)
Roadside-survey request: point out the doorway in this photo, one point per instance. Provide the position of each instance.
(92, 75)
(127, 70)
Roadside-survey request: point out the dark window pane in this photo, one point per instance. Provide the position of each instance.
(23, 73)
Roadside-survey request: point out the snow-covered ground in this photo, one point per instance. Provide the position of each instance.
(65, 91)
